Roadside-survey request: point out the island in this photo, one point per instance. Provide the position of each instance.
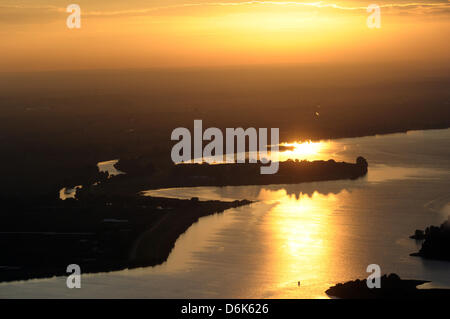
(142, 174)
(436, 242)
(392, 287)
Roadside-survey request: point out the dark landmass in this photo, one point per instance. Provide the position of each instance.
(290, 172)
(418, 235)
(436, 244)
(142, 175)
(54, 126)
(109, 226)
(392, 287)
(99, 233)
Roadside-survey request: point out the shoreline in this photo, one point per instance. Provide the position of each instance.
(139, 178)
(120, 235)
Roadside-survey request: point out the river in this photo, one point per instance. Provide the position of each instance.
(317, 233)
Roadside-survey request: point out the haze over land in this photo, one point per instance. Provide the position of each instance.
(118, 86)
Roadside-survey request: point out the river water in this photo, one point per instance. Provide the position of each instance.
(317, 233)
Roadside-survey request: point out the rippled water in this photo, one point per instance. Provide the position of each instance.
(316, 233)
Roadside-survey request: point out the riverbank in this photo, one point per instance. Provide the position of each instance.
(99, 233)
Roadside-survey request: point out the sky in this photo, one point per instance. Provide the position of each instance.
(182, 33)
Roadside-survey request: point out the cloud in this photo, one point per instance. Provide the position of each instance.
(26, 14)
(411, 8)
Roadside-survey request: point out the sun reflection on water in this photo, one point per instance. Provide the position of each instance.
(301, 231)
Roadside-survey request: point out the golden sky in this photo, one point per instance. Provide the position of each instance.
(180, 33)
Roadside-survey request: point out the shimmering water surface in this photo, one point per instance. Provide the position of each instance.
(318, 233)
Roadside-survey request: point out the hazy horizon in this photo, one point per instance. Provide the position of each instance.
(179, 33)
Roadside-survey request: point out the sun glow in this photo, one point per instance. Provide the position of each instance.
(304, 150)
(218, 34)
